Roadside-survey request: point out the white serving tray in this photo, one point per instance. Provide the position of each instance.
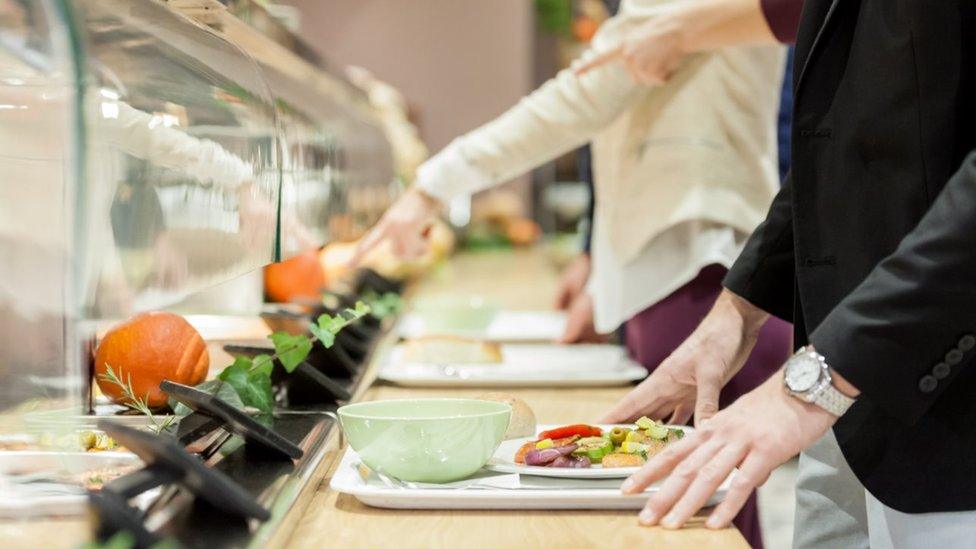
(19, 501)
(522, 366)
(514, 326)
(548, 494)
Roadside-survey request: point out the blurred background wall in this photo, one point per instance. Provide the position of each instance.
(459, 62)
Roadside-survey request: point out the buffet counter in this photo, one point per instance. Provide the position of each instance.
(320, 517)
(520, 280)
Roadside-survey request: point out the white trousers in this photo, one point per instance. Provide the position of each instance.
(833, 510)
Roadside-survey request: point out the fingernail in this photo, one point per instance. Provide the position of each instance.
(670, 522)
(647, 517)
(712, 522)
(628, 486)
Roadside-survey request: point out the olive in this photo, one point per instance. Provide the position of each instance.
(88, 440)
(618, 435)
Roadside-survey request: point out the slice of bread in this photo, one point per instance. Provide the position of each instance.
(522, 424)
(449, 349)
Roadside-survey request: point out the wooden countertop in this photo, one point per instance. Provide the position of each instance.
(322, 518)
(520, 280)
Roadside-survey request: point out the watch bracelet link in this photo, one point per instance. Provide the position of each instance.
(827, 396)
(832, 400)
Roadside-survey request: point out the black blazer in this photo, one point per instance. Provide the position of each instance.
(870, 247)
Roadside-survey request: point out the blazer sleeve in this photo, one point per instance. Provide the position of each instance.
(907, 331)
(764, 273)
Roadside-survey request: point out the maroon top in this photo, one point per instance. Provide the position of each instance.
(783, 17)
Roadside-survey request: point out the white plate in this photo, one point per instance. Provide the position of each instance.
(549, 493)
(515, 326)
(503, 459)
(523, 366)
(21, 501)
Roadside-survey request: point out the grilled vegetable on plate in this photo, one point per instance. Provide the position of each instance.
(585, 451)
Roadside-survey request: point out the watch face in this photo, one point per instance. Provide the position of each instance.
(802, 373)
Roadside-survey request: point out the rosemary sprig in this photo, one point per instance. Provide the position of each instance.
(134, 402)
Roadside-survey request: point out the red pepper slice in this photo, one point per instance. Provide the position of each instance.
(579, 429)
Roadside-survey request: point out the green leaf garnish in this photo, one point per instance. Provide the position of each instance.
(252, 385)
(291, 350)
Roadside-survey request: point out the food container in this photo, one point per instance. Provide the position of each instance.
(453, 314)
(425, 440)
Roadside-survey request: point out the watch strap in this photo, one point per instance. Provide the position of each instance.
(832, 400)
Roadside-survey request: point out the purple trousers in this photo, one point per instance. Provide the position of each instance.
(658, 330)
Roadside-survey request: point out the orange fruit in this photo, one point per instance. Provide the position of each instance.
(584, 29)
(299, 277)
(522, 232)
(147, 349)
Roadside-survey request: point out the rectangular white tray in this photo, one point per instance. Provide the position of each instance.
(522, 366)
(514, 326)
(347, 480)
(20, 502)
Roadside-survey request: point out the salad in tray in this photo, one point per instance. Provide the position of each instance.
(583, 446)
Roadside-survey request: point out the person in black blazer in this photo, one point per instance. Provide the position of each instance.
(870, 249)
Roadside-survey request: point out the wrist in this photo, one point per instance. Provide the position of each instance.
(429, 201)
(752, 317)
(839, 383)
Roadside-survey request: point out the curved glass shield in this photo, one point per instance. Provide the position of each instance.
(39, 365)
(182, 158)
(337, 163)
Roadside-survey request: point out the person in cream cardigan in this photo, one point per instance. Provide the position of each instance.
(683, 171)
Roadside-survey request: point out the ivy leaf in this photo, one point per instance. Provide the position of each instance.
(252, 386)
(324, 335)
(291, 350)
(214, 387)
(382, 306)
(362, 309)
(263, 364)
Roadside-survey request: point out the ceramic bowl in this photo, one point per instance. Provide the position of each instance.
(452, 314)
(425, 440)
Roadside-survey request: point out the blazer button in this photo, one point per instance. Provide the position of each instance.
(967, 342)
(953, 357)
(941, 370)
(927, 384)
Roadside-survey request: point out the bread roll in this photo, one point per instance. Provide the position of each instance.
(449, 349)
(522, 424)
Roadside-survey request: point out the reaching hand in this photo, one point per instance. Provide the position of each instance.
(579, 322)
(689, 381)
(405, 224)
(651, 53)
(572, 281)
(655, 50)
(757, 433)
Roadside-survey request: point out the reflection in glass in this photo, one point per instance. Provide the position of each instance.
(38, 367)
(182, 164)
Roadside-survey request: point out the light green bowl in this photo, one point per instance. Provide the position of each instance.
(455, 314)
(427, 439)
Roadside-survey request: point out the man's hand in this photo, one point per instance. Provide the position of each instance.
(405, 224)
(579, 322)
(757, 433)
(689, 381)
(572, 281)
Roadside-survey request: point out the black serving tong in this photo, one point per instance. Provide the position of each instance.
(168, 462)
(367, 279)
(211, 413)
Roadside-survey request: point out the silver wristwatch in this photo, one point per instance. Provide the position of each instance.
(806, 376)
